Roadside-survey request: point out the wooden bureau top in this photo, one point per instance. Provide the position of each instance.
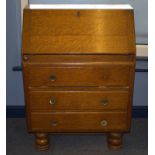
(49, 31)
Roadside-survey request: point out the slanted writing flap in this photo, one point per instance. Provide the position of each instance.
(78, 31)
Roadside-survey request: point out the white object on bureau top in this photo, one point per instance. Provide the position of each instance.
(80, 6)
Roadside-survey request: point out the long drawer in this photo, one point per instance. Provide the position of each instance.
(79, 122)
(99, 75)
(78, 99)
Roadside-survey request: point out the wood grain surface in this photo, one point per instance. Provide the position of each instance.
(79, 122)
(78, 72)
(107, 75)
(78, 32)
(78, 100)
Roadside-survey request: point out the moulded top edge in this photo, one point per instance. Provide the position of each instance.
(82, 6)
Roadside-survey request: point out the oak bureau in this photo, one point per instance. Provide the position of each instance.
(78, 71)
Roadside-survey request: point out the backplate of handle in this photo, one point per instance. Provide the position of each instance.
(104, 123)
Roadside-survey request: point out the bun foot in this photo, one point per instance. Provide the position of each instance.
(42, 141)
(115, 141)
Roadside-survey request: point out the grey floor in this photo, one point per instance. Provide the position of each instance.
(19, 142)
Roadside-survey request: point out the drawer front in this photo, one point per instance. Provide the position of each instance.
(79, 122)
(78, 100)
(107, 75)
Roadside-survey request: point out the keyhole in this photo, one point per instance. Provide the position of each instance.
(78, 13)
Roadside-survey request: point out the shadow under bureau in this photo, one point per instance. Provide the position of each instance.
(78, 71)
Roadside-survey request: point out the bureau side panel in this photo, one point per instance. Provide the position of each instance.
(131, 92)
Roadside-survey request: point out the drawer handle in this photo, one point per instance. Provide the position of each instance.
(104, 123)
(25, 57)
(54, 123)
(52, 101)
(53, 78)
(104, 102)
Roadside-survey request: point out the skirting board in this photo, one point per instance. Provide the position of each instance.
(19, 111)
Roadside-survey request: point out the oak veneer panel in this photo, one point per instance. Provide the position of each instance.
(107, 75)
(78, 32)
(78, 100)
(68, 23)
(79, 122)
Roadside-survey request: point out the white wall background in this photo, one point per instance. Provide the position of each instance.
(14, 85)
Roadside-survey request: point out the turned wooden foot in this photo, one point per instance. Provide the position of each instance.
(42, 141)
(115, 140)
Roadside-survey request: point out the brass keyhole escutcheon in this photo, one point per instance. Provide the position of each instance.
(54, 123)
(53, 78)
(104, 102)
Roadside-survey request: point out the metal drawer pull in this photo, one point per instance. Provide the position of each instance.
(104, 102)
(53, 78)
(104, 123)
(54, 123)
(52, 101)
